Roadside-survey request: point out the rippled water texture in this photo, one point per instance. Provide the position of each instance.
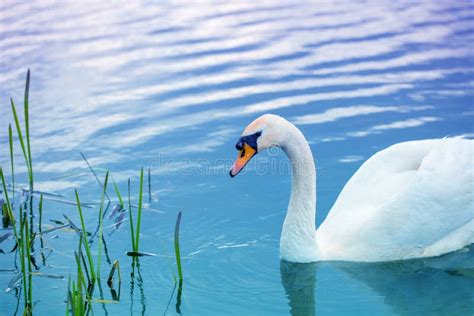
(171, 86)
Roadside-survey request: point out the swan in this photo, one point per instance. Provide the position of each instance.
(411, 200)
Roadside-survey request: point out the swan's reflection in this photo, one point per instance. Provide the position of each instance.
(436, 286)
(299, 281)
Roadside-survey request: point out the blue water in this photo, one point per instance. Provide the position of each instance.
(171, 87)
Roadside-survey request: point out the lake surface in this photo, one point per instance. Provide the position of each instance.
(170, 87)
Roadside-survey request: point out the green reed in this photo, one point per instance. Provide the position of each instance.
(84, 234)
(75, 295)
(135, 231)
(27, 126)
(139, 217)
(21, 248)
(10, 141)
(26, 149)
(130, 214)
(79, 290)
(117, 192)
(176, 246)
(25, 236)
(104, 192)
(21, 237)
(27, 246)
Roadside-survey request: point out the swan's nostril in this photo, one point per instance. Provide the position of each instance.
(242, 153)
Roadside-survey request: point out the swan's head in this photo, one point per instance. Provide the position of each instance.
(264, 132)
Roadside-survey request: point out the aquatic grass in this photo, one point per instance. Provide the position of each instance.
(131, 217)
(40, 228)
(84, 264)
(20, 138)
(79, 257)
(22, 257)
(117, 192)
(27, 245)
(23, 244)
(27, 125)
(176, 247)
(10, 141)
(5, 217)
(68, 297)
(104, 192)
(10, 212)
(139, 217)
(80, 290)
(25, 149)
(7, 201)
(75, 297)
(135, 231)
(8, 206)
(84, 234)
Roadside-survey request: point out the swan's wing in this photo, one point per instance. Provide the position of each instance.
(404, 200)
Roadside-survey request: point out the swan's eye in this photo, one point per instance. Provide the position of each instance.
(239, 145)
(249, 140)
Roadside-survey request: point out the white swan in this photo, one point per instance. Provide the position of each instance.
(411, 200)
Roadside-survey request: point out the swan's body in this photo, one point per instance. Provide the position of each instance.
(411, 200)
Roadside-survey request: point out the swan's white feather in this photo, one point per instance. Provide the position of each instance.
(411, 200)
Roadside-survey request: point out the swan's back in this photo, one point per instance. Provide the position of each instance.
(413, 199)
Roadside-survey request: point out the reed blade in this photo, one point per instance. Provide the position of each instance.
(176, 246)
(10, 140)
(9, 206)
(84, 234)
(28, 258)
(20, 135)
(117, 192)
(21, 247)
(131, 217)
(104, 192)
(27, 127)
(139, 217)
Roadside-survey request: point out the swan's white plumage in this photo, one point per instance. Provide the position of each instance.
(412, 200)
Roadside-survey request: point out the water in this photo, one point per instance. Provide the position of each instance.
(171, 86)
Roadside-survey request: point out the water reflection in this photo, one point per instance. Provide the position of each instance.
(139, 279)
(435, 286)
(299, 281)
(178, 298)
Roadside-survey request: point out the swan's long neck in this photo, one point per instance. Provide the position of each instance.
(298, 237)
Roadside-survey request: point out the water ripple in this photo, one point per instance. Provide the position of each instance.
(128, 82)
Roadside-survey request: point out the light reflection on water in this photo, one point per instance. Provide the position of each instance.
(171, 86)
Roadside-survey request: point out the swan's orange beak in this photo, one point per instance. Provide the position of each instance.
(244, 156)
